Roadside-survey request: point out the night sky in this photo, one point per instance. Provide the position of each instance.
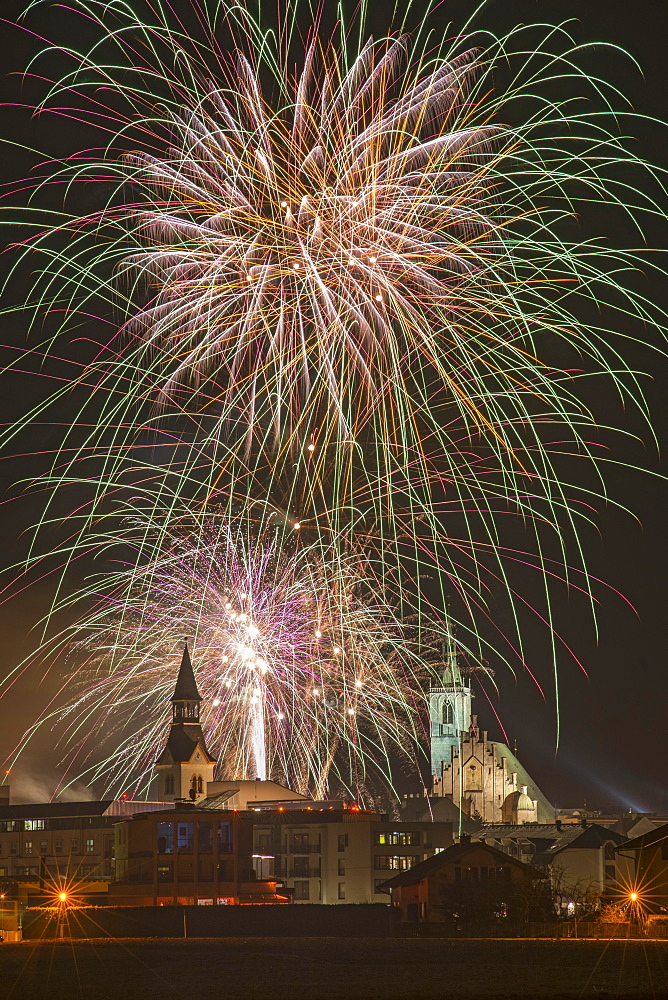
(613, 721)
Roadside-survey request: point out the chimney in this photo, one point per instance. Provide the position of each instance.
(557, 823)
(465, 838)
(4, 795)
(583, 821)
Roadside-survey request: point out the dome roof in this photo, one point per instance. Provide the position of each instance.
(524, 802)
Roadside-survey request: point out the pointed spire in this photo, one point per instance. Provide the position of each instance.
(186, 686)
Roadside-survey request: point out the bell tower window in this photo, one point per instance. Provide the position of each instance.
(447, 714)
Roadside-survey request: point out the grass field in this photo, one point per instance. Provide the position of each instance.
(332, 969)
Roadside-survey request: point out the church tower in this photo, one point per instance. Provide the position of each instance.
(185, 766)
(449, 711)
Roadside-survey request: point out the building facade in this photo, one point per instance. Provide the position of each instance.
(449, 713)
(188, 856)
(334, 852)
(489, 784)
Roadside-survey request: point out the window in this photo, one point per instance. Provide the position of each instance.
(446, 715)
(33, 824)
(75, 846)
(90, 846)
(169, 784)
(88, 869)
(58, 847)
(26, 872)
(225, 837)
(299, 841)
(264, 840)
(43, 844)
(301, 866)
(342, 867)
(342, 890)
(205, 838)
(165, 838)
(609, 851)
(610, 873)
(409, 839)
(394, 862)
(343, 841)
(184, 835)
(27, 847)
(473, 778)
(301, 890)
(164, 873)
(13, 847)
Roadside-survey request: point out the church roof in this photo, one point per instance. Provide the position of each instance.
(549, 839)
(186, 686)
(184, 737)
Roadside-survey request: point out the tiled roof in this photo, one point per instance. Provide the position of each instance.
(451, 855)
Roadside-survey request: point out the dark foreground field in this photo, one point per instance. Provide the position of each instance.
(332, 969)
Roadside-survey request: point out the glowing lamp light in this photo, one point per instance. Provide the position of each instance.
(62, 896)
(633, 896)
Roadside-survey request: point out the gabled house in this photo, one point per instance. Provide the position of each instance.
(467, 882)
(650, 859)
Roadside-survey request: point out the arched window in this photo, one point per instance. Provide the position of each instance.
(200, 785)
(169, 784)
(447, 714)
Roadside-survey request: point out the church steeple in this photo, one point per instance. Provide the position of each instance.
(185, 766)
(186, 699)
(449, 709)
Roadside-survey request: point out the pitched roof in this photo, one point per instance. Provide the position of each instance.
(549, 839)
(186, 686)
(182, 742)
(646, 839)
(451, 855)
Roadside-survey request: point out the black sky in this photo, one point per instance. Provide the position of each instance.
(613, 743)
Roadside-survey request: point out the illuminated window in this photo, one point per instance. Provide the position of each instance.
(300, 841)
(58, 846)
(185, 837)
(27, 847)
(43, 844)
(164, 873)
(75, 845)
(395, 862)
(33, 824)
(392, 839)
(90, 846)
(165, 838)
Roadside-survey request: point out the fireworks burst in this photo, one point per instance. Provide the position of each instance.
(302, 670)
(335, 292)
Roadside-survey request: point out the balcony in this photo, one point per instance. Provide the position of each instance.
(307, 849)
(291, 872)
